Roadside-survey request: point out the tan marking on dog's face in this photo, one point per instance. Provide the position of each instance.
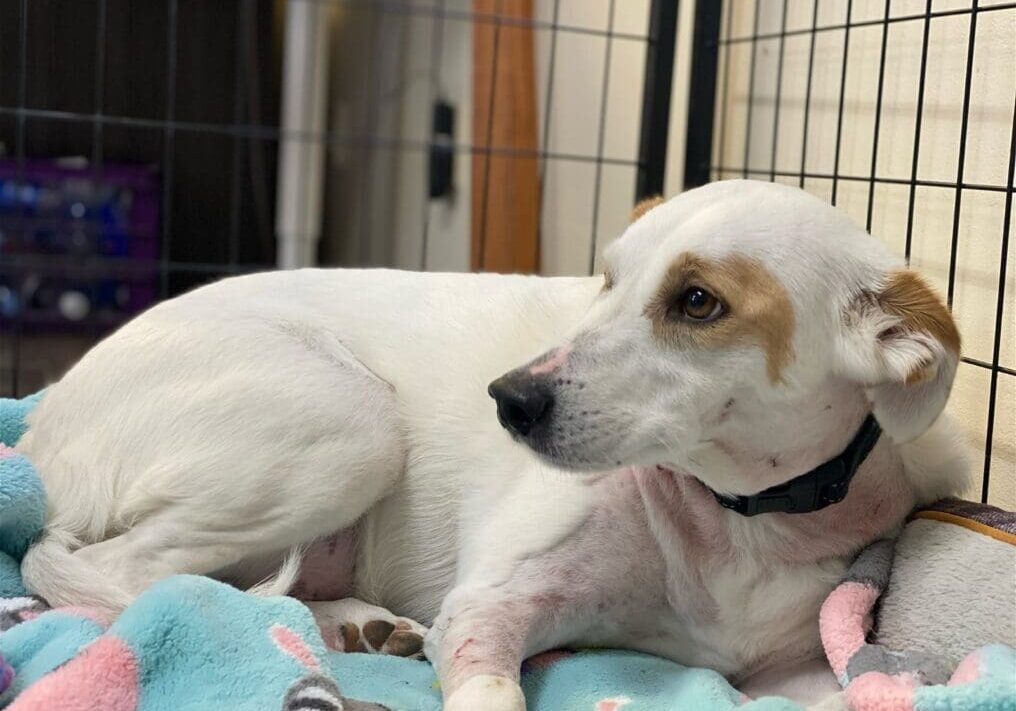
(645, 206)
(908, 296)
(920, 375)
(757, 308)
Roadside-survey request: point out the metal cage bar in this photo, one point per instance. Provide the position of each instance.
(601, 137)
(702, 93)
(177, 127)
(707, 142)
(659, 77)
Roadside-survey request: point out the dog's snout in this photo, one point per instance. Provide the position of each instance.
(522, 401)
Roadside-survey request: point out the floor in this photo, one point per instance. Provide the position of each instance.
(41, 359)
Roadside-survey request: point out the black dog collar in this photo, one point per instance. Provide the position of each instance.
(824, 485)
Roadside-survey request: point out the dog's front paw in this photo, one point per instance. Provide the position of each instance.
(490, 693)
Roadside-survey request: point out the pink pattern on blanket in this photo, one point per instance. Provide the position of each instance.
(104, 676)
(292, 644)
(844, 622)
(875, 691)
(6, 451)
(612, 704)
(969, 670)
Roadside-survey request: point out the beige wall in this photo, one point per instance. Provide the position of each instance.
(568, 230)
(380, 222)
(571, 222)
(381, 86)
(987, 154)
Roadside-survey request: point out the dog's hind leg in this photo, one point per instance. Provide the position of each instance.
(165, 545)
(254, 460)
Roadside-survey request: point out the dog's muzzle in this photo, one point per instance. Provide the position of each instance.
(523, 401)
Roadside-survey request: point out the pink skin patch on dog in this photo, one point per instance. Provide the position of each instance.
(844, 620)
(463, 647)
(875, 691)
(327, 568)
(292, 644)
(104, 676)
(968, 671)
(612, 704)
(557, 359)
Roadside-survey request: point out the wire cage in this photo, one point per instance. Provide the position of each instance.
(144, 147)
(118, 157)
(141, 148)
(904, 115)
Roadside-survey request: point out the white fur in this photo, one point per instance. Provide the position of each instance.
(490, 693)
(235, 424)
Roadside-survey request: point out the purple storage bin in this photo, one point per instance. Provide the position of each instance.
(79, 247)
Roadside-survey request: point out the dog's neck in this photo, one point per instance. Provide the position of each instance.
(692, 528)
(751, 444)
(823, 486)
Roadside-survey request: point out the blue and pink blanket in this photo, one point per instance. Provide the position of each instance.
(192, 643)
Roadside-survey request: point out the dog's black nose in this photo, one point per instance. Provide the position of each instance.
(522, 401)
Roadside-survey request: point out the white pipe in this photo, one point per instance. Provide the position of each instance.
(302, 144)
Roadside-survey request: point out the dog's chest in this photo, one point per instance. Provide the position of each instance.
(728, 605)
(755, 620)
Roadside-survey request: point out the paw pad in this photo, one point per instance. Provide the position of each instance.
(380, 637)
(349, 636)
(384, 637)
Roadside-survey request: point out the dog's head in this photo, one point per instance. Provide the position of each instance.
(743, 332)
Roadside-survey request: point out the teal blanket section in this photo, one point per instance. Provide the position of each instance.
(36, 648)
(22, 500)
(630, 681)
(13, 414)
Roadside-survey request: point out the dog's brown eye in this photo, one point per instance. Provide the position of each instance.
(697, 304)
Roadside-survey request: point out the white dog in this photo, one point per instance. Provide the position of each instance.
(746, 335)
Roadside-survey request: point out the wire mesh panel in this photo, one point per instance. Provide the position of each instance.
(136, 161)
(902, 114)
(140, 144)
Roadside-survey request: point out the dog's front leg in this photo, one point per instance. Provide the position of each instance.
(478, 644)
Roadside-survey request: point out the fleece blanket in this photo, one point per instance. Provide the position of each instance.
(194, 643)
(877, 677)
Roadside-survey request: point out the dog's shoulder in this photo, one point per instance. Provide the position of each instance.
(937, 464)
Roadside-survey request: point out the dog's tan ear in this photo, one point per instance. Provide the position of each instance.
(645, 206)
(901, 342)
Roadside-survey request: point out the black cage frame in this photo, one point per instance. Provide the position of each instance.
(233, 125)
(710, 39)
